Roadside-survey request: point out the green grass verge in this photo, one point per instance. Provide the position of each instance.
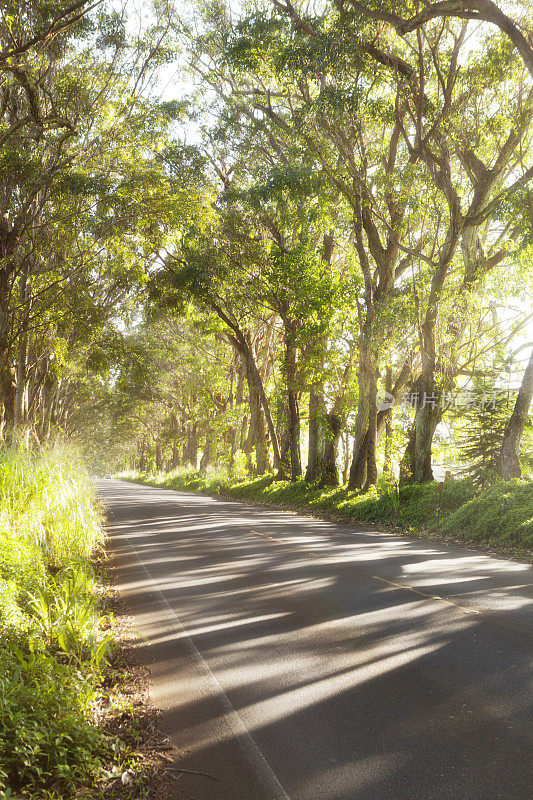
(499, 518)
(53, 646)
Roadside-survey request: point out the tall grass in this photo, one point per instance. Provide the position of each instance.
(184, 478)
(52, 646)
(47, 501)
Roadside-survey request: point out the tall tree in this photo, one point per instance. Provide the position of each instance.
(510, 451)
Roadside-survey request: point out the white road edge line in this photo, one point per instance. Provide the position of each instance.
(235, 722)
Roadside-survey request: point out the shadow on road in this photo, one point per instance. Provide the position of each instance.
(355, 660)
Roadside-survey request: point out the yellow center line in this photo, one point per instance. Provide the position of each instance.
(273, 538)
(428, 596)
(396, 585)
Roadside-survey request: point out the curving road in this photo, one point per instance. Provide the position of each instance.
(295, 658)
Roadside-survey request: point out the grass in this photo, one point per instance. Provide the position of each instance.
(55, 640)
(499, 518)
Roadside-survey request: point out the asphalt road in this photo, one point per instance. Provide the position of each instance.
(295, 658)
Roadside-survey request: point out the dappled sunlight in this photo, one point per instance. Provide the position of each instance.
(337, 780)
(228, 622)
(279, 706)
(306, 626)
(442, 581)
(477, 562)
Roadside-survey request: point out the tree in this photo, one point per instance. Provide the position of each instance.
(430, 112)
(301, 93)
(516, 29)
(481, 440)
(510, 449)
(79, 200)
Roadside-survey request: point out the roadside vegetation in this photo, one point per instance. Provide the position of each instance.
(57, 645)
(498, 518)
(281, 251)
(349, 305)
(277, 239)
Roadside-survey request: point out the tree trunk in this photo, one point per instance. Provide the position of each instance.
(238, 339)
(324, 432)
(372, 437)
(192, 445)
(294, 435)
(22, 365)
(206, 453)
(48, 398)
(387, 450)
(21, 389)
(258, 433)
(34, 399)
(293, 410)
(142, 459)
(175, 459)
(363, 471)
(324, 435)
(346, 456)
(415, 466)
(239, 396)
(7, 387)
(318, 428)
(282, 428)
(243, 436)
(330, 470)
(510, 452)
(426, 422)
(158, 457)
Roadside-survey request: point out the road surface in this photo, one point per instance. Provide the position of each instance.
(296, 658)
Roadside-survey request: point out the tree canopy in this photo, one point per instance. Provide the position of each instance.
(286, 238)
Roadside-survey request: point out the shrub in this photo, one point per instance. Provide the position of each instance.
(501, 514)
(51, 643)
(44, 732)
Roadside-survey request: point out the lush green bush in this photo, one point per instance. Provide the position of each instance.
(502, 513)
(52, 646)
(45, 735)
(500, 517)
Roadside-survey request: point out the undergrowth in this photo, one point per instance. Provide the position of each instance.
(55, 640)
(499, 518)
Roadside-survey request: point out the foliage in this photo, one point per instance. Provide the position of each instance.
(52, 640)
(182, 478)
(46, 500)
(502, 514)
(221, 278)
(45, 735)
(352, 216)
(88, 199)
(481, 441)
